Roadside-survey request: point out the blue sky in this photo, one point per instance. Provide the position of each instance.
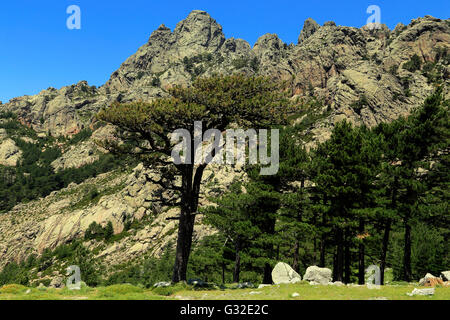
(37, 50)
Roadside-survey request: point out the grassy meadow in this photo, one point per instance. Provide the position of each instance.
(299, 291)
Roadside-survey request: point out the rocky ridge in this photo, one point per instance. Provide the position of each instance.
(335, 64)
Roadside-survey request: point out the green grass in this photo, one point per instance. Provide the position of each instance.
(276, 292)
(115, 292)
(308, 292)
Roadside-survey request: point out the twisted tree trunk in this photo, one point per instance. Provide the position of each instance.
(190, 186)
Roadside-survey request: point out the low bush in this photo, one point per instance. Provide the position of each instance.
(414, 64)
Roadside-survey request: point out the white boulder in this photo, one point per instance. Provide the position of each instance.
(283, 273)
(445, 275)
(318, 275)
(424, 279)
(421, 292)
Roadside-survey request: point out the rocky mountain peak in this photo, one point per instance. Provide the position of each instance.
(198, 13)
(199, 29)
(309, 28)
(399, 28)
(159, 62)
(160, 35)
(268, 40)
(329, 24)
(163, 27)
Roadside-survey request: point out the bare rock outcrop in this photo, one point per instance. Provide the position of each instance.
(57, 112)
(77, 156)
(310, 26)
(10, 154)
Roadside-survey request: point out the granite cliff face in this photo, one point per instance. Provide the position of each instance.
(125, 196)
(334, 63)
(354, 74)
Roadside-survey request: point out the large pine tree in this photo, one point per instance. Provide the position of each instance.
(413, 145)
(217, 102)
(345, 169)
(296, 221)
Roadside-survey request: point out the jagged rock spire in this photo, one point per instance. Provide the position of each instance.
(309, 28)
(199, 29)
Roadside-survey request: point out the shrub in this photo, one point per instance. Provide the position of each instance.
(393, 70)
(13, 289)
(93, 193)
(188, 64)
(408, 93)
(156, 82)
(254, 64)
(94, 231)
(358, 105)
(140, 75)
(198, 71)
(83, 135)
(168, 291)
(240, 63)
(433, 72)
(109, 231)
(414, 64)
(13, 273)
(8, 115)
(97, 232)
(442, 55)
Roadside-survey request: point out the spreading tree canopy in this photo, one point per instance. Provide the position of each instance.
(145, 129)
